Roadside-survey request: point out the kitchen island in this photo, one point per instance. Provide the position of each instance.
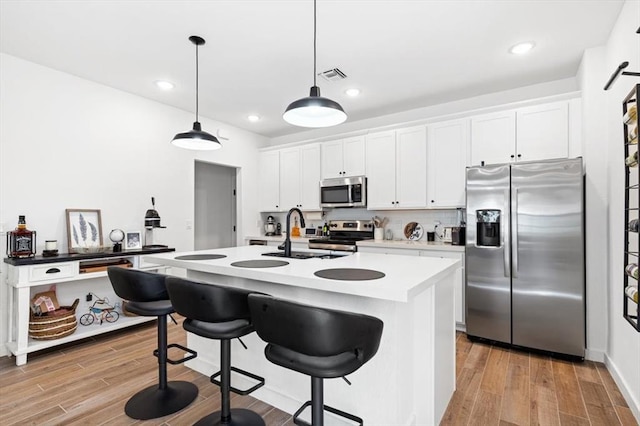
(411, 378)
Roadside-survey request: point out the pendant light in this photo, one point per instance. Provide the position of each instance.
(314, 110)
(196, 139)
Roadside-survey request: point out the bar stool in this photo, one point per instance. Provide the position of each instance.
(321, 343)
(220, 313)
(146, 295)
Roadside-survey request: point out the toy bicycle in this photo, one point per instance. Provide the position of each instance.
(100, 311)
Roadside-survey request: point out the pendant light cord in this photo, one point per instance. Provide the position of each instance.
(197, 78)
(314, 43)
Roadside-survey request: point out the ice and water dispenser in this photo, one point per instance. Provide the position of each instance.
(488, 228)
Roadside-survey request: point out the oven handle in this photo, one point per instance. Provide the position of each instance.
(333, 247)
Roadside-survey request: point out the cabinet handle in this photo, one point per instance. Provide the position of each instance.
(519, 155)
(432, 201)
(52, 271)
(393, 202)
(513, 156)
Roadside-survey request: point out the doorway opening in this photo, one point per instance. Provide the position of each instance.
(215, 206)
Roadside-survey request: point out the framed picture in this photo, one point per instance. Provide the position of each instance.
(132, 240)
(84, 229)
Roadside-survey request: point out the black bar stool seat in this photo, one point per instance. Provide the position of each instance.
(146, 295)
(220, 313)
(321, 343)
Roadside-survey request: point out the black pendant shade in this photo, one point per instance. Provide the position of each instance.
(314, 110)
(196, 139)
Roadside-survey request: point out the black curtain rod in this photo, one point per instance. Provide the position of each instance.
(619, 72)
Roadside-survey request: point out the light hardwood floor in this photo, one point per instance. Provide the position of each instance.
(498, 386)
(88, 383)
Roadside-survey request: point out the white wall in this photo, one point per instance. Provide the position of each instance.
(66, 142)
(591, 75)
(623, 349)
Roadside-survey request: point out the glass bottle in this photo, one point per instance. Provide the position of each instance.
(295, 231)
(21, 240)
(632, 160)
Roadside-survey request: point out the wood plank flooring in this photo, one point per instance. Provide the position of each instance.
(498, 386)
(88, 383)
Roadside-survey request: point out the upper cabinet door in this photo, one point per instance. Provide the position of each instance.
(543, 132)
(493, 138)
(310, 177)
(381, 166)
(290, 178)
(411, 167)
(269, 183)
(447, 159)
(332, 159)
(353, 156)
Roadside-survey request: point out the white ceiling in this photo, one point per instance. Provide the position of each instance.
(258, 56)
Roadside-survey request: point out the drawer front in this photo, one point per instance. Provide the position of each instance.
(53, 271)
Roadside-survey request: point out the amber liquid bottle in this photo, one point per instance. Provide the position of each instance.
(21, 240)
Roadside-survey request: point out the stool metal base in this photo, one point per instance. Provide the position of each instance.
(153, 402)
(239, 417)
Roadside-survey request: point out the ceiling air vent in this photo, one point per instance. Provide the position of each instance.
(333, 75)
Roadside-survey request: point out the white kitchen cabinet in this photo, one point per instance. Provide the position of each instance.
(532, 133)
(447, 159)
(269, 181)
(290, 177)
(397, 169)
(344, 157)
(542, 132)
(493, 138)
(310, 177)
(460, 280)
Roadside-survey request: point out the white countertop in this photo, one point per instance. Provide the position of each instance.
(396, 244)
(414, 245)
(404, 278)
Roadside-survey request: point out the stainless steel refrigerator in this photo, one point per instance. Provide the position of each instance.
(525, 255)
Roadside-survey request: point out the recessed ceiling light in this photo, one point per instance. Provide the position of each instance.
(253, 118)
(352, 92)
(164, 85)
(522, 48)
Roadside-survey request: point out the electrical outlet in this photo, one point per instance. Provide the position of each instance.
(189, 225)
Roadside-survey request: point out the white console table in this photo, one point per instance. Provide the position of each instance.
(28, 276)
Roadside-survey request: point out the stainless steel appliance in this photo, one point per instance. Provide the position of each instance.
(270, 226)
(343, 235)
(344, 192)
(152, 222)
(525, 255)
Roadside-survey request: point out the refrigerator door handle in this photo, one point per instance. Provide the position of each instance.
(505, 234)
(514, 238)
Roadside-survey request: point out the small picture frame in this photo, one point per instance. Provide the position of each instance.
(84, 229)
(132, 240)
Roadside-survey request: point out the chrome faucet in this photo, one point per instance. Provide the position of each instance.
(287, 240)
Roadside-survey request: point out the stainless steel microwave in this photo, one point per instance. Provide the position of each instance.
(344, 192)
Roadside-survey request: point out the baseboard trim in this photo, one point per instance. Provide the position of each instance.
(595, 355)
(634, 405)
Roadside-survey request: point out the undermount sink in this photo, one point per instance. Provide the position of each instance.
(304, 255)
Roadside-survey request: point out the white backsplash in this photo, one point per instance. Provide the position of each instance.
(397, 218)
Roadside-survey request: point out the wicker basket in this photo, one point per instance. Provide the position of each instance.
(55, 324)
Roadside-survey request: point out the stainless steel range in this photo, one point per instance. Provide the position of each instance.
(343, 235)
